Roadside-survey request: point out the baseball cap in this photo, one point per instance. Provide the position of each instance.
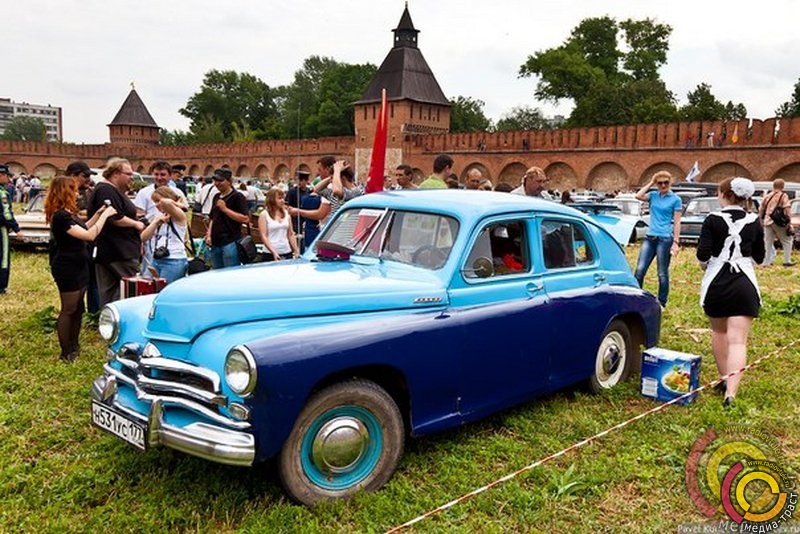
(4, 170)
(223, 174)
(79, 167)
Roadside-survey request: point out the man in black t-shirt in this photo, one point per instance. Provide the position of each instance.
(227, 217)
(294, 199)
(119, 246)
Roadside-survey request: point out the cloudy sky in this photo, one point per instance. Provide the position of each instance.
(82, 55)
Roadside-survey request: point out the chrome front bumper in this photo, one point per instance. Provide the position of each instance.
(210, 441)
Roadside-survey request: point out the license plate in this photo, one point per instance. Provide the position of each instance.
(124, 428)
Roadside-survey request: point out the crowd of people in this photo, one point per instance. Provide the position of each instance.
(100, 235)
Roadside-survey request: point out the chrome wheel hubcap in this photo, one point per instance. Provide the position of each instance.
(339, 445)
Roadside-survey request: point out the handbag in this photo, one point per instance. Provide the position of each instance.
(247, 248)
(196, 264)
(778, 215)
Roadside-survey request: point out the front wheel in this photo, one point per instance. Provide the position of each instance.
(614, 358)
(348, 437)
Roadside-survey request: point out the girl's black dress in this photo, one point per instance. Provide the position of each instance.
(69, 259)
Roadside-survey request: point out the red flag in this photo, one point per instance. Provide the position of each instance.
(378, 160)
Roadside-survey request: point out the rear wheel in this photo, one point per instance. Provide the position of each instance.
(614, 357)
(348, 437)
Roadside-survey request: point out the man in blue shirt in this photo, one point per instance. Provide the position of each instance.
(661, 241)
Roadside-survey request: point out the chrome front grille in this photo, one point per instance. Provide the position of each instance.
(163, 376)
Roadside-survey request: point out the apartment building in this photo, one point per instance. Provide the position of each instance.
(50, 116)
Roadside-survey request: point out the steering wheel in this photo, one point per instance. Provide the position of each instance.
(429, 256)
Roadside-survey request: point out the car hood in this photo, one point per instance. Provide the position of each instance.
(618, 225)
(694, 218)
(298, 288)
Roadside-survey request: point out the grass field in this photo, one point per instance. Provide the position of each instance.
(59, 474)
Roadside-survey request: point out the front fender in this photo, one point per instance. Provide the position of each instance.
(133, 316)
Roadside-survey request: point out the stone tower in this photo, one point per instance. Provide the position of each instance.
(133, 124)
(417, 104)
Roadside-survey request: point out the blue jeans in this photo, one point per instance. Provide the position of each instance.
(655, 247)
(224, 256)
(171, 268)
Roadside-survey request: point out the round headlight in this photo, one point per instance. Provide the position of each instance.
(108, 324)
(240, 370)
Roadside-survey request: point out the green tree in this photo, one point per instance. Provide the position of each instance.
(208, 129)
(174, 137)
(608, 85)
(703, 106)
(319, 102)
(792, 107)
(466, 115)
(522, 118)
(22, 128)
(229, 98)
(339, 89)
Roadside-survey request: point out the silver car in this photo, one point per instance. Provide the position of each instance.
(32, 225)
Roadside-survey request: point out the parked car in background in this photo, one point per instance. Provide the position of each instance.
(35, 231)
(795, 216)
(413, 312)
(633, 207)
(693, 216)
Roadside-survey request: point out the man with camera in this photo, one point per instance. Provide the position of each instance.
(148, 210)
(118, 247)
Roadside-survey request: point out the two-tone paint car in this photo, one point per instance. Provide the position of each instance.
(412, 313)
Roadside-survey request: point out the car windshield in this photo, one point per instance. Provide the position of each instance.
(702, 206)
(421, 239)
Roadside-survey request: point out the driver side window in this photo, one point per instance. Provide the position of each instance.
(500, 250)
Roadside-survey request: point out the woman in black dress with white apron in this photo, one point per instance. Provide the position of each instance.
(731, 243)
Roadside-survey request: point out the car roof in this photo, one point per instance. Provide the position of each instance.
(459, 203)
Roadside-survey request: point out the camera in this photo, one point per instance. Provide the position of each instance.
(161, 252)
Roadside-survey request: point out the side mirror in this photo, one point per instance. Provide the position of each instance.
(482, 267)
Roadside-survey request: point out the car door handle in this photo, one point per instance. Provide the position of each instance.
(534, 287)
(599, 278)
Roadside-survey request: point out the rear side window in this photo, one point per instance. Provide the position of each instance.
(565, 245)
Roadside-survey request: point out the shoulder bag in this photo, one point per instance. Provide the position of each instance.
(247, 248)
(778, 214)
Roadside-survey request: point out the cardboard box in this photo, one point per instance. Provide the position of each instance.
(135, 286)
(668, 374)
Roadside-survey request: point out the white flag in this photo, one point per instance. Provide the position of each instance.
(694, 172)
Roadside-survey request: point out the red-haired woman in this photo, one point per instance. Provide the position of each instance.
(69, 258)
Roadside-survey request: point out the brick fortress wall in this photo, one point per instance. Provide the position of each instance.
(603, 158)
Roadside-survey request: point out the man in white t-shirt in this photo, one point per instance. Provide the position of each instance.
(145, 206)
(534, 184)
(161, 172)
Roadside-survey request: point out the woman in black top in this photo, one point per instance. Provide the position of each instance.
(731, 243)
(69, 257)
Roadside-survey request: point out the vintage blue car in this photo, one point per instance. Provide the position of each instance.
(412, 313)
